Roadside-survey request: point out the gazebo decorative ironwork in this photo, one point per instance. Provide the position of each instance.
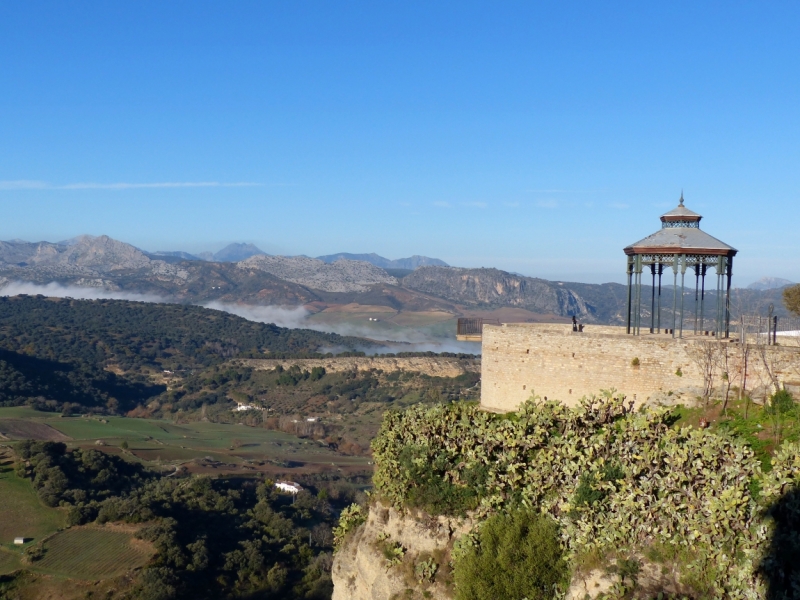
(680, 244)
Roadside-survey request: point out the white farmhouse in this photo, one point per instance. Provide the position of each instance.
(240, 407)
(290, 487)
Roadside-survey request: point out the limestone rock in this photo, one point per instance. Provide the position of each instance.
(493, 287)
(339, 276)
(360, 571)
(432, 366)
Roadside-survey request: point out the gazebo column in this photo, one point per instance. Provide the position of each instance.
(728, 299)
(720, 270)
(635, 308)
(675, 262)
(683, 278)
(629, 274)
(696, 293)
(660, 273)
(638, 294)
(653, 297)
(703, 268)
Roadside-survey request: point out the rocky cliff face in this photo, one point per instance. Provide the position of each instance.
(86, 254)
(361, 570)
(493, 288)
(339, 276)
(433, 366)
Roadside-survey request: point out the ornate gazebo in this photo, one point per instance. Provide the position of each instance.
(680, 244)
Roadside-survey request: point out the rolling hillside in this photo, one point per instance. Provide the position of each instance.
(109, 354)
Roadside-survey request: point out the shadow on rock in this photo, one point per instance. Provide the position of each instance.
(780, 567)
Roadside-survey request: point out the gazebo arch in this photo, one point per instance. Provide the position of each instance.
(679, 244)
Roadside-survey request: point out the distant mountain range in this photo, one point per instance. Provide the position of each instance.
(238, 252)
(410, 263)
(318, 283)
(230, 253)
(175, 256)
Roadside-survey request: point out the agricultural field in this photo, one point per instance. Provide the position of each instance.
(23, 514)
(20, 412)
(8, 562)
(93, 552)
(199, 447)
(20, 429)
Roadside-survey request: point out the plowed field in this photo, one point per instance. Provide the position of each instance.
(93, 553)
(17, 429)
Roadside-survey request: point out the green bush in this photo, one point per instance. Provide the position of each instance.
(780, 403)
(518, 555)
(586, 494)
(439, 497)
(35, 553)
(435, 494)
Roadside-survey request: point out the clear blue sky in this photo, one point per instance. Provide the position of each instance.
(538, 137)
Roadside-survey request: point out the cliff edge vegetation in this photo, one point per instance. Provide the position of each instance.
(639, 506)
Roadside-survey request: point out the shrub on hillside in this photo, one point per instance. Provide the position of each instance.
(518, 556)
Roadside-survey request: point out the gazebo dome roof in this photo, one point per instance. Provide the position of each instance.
(680, 233)
(681, 213)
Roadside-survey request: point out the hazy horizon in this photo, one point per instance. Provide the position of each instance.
(737, 282)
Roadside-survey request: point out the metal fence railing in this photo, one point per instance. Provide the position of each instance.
(473, 326)
(765, 329)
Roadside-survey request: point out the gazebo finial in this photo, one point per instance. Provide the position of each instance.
(681, 200)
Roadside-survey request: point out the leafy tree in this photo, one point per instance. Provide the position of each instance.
(791, 299)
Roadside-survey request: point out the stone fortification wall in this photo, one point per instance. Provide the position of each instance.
(433, 366)
(519, 359)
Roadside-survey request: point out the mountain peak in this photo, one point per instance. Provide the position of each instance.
(98, 254)
(769, 283)
(237, 252)
(78, 239)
